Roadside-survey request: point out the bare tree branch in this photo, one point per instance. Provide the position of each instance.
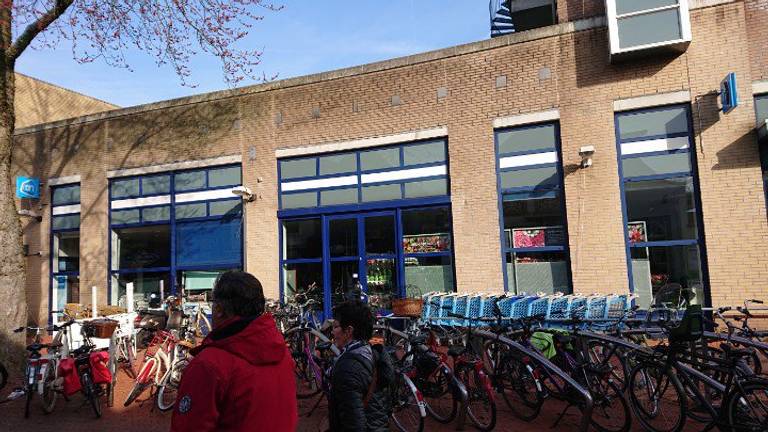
(35, 28)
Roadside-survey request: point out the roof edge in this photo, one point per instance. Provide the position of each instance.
(444, 53)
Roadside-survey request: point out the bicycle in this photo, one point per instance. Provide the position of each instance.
(42, 370)
(469, 367)
(660, 385)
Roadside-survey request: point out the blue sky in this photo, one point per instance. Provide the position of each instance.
(305, 37)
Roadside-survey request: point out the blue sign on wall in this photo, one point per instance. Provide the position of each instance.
(729, 98)
(27, 187)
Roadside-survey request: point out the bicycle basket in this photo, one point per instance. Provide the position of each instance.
(100, 328)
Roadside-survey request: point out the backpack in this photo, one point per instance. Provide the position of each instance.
(382, 371)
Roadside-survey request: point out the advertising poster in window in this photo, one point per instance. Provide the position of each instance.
(537, 237)
(426, 243)
(637, 232)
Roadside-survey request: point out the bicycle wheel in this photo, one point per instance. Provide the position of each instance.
(747, 406)
(440, 403)
(28, 404)
(169, 387)
(610, 410)
(3, 376)
(481, 407)
(91, 392)
(605, 353)
(519, 388)
(407, 405)
(126, 355)
(657, 398)
(143, 381)
(301, 346)
(48, 398)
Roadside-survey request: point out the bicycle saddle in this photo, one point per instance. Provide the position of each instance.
(419, 340)
(563, 339)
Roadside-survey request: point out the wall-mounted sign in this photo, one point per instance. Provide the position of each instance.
(729, 97)
(27, 187)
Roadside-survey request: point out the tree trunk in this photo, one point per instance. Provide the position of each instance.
(13, 293)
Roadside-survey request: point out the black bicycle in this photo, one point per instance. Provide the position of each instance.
(665, 381)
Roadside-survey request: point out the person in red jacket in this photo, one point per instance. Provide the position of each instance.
(241, 378)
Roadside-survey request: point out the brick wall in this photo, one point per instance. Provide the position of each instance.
(39, 102)
(572, 10)
(568, 71)
(757, 22)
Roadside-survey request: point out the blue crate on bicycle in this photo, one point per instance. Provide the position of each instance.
(505, 306)
(486, 306)
(597, 308)
(446, 304)
(519, 308)
(578, 307)
(620, 304)
(559, 308)
(475, 306)
(460, 307)
(539, 307)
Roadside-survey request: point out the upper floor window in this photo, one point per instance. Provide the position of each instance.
(630, 23)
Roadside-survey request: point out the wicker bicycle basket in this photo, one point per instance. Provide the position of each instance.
(100, 328)
(407, 307)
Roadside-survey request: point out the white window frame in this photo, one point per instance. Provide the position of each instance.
(613, 26)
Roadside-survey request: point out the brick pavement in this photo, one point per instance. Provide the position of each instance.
(73, 417)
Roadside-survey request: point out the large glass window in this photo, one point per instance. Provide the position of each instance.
(761, 109)
(387, 259)
(183, 230)
(65, 247)
(531, 197)
(409, 171)
(660, 203)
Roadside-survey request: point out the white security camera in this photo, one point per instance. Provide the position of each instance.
(586, 153)
(244, 192)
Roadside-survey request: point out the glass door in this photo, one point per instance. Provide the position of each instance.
(344, 256)
(381, 258)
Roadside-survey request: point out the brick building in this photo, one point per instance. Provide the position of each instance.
(38, 102)
(575, 152)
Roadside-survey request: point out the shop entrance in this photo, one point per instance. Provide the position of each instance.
(362, 249)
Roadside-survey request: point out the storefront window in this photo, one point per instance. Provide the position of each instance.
(531, 198)
(141, 247)
(145, 285)
(186, 231)
(305, 278)
(660, 203)
(65, 247)
(427, 245)
(302, 239)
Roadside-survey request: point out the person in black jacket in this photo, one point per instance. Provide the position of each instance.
(360, 377)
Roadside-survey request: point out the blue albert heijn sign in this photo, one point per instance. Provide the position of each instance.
(27, 187)
(729, 98)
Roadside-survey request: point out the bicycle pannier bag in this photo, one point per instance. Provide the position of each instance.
(99, 367)
(69, 374)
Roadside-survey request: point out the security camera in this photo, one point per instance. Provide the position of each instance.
(244, 192)
(586, 153)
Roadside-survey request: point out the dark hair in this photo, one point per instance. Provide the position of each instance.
(357, 314)
(239, 293)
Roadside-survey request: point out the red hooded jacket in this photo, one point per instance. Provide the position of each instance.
(241, 379)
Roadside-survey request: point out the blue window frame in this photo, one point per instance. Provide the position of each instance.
(412, 171)
(380, 214)
(64, 247)
(761, 112)
(660, 203)
(164, 226)
(393, 253)
(532, 209)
